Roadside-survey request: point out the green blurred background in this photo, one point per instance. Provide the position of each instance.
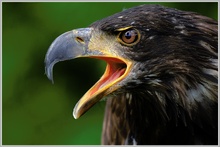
(35, 111)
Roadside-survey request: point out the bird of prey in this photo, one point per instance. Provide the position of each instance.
(161, 77)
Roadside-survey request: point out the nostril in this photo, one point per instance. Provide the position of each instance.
(79, 39)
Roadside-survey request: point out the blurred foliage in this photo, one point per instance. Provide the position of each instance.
(36, 112)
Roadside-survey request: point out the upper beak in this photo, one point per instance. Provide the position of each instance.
(77, 43)
(67, 46)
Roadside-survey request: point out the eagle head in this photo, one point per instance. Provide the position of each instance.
(161, 66)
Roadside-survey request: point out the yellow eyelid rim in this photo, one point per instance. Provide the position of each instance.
(125, 28)
(122, 42)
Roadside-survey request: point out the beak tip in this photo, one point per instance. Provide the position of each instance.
(75, 115)
(49, 72)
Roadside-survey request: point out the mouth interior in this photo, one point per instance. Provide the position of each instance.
(114, 72)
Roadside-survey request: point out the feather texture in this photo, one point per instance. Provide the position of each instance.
(170, 96)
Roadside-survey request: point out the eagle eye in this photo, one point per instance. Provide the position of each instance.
(129, 37)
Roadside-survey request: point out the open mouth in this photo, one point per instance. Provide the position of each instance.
(115, 71)
(83, 43)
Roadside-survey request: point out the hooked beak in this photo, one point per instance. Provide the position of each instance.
(67, 46)
(82, 43)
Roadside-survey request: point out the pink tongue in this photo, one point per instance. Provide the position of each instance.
(113, 77)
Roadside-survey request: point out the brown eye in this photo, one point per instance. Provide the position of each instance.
(129, 37)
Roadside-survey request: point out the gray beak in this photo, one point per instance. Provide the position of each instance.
(67, 46)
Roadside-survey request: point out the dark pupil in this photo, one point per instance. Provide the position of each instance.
(128, 34)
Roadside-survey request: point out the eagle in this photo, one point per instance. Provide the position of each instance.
(161, 78)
